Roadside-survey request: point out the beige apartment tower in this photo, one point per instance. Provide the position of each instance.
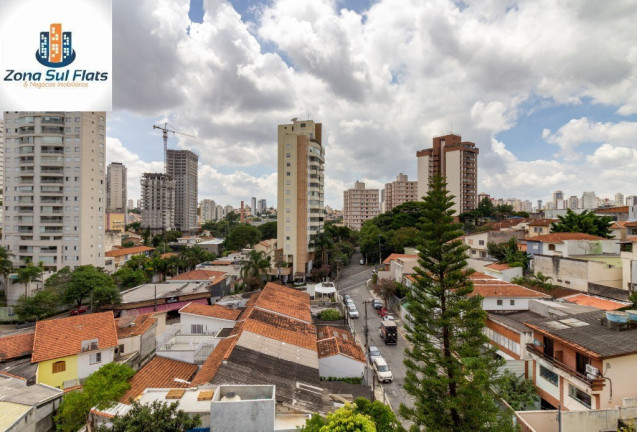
(359, 205)
(300, 198)
(55, 192)
(455, 160)
(181, 166)
(400, 191)
(116, 188)
(158, 202)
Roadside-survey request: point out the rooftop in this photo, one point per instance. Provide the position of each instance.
(214, 311)
(595, 301)
(396, 256)
(284, 300)
(498, 266)
(199, 275)
(160, 372)
(332, 341)
(136, 327)
(542, 222)
(190, 400)
(620, 209)
(128, 251)
(64, 336)
(209, 369)
(16, 346)
(16, 391)
(148, 291)
(565, 236)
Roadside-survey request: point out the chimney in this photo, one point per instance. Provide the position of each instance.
(242, 213)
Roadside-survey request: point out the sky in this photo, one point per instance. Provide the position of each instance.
(546, 89)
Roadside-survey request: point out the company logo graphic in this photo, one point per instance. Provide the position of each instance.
(55, 48)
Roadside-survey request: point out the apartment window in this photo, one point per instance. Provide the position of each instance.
(59, 366)
(95, 358)
(549, 375)
(196, 328)
(579, 395)
(512, 302)
(499, 302)
(287, 155)
(287, 173)
(481, 242)
(287, 164)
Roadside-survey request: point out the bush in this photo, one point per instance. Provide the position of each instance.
(349, 380)
(330, 315)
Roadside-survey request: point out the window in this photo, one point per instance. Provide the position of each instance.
(59, 366)
(481, 242)
(549, 375)
(95, 358)
(89, 345)
(499, 302)
(551, 247)
(579, 395)
(512, 302)
(196, 328)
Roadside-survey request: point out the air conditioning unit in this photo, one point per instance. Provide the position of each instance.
(591, 370)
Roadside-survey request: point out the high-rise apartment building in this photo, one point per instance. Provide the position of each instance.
(619, 199)
(300, 198)
(131, 204)
(262, 205)
(1, 170)
(139, 204)
(116, 187)
(253, 206)
(55, 192)
(181, 165)
(207, 208)
(400, 191)
(455, 160)
(158, 202)
(589, 200)
(573, 202)
(359, 205)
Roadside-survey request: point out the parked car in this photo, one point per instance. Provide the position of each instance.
(383, 373)
(374, 353)
(362, 261)
(388, 317)
(79, 310)
(382, 312)
(377, 304)
(349, 302)
(352, 311)
(346, 297)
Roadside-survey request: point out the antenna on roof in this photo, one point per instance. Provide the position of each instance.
(127, 318)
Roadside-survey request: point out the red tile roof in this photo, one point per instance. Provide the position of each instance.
(141, 324)
(477, 275)
(199, 275)
(168, 255)
(620, 209)
(284, 300)
(396, 256)
(560, 237)
(498, 266)
(213, 362)
(543, 222)
(618, 225)
(631, 224)
(128, 251)
(160, 372)
(221, 262)
(16, 346)
(599, 303)
(332, 341)
(288, 336)
(214, 311)
(504, 289)
(63, 336)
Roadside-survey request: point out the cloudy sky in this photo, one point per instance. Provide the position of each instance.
(546, 89)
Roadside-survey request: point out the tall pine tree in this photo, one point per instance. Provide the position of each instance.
(450, 366)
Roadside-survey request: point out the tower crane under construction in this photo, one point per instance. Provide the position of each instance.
(165, 132)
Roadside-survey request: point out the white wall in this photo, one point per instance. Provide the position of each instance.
(423, 176)
(453, 168)
(545, 385)
(340, 366)
(505, 275)
(491, 304)
(211, 325)
(85, 368)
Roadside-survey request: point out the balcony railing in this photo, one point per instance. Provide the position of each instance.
(596, 384)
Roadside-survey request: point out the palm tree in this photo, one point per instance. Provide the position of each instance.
(6, 265)
(255, 265)
(28, 274)
(543, 282)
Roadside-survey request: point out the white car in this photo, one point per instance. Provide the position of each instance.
(388, 317)
(381, 368)
(352, 311)
(362, 261)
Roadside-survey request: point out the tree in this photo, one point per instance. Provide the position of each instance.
(381, 415)
(38, 306)
(450, 365)
(84, 280)
(385, 288)
(101, 389)
(6, 266)
(105, 294)
(344, 419)
(508, 252)
(255, 266)
(242, 236)
(28, 274)
(268, 230)
(585, 222)
(126, 277)
(404, 237)
(518, 391)
(58, 281)
(158, 416)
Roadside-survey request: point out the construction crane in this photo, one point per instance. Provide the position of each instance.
(165, 131)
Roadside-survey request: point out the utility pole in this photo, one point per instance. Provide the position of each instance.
(365, 302)
(380, 257)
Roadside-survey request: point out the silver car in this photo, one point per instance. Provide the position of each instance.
(374, 353)
(352, 311)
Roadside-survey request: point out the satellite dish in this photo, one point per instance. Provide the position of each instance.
(127, 318)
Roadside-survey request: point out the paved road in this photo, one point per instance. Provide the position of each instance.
(353, 281)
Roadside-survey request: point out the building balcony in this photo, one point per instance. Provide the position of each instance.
(596, 384)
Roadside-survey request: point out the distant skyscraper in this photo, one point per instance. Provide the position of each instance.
(116, 187)
(181, 165)
(262, 206)
(573, 202)
(455, 160)
(253, 206)
(300, 206)
(400, 191)
(139, 204)
(589, 200)
(131, 204)
(359, 205)
(158, 202)
(539, 205)
(207, 209)
(619, 199)
(57, 190)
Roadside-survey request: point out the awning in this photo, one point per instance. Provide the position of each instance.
(325, 289)
(170, 306)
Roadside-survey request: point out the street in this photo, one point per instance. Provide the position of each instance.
(353, 281)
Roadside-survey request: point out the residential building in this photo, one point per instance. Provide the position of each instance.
(503, 272)
(478, 242)
(203, 319)
(502, 297)
(181, 166)
(116, 187)
(136, 338)
(139, 204)
(253, 206)
(118, 257)
(621, 213)
(262, 205)
(116, 221)
(619, 199)
(301, 161)
(589, 200)
(359, 205)
(629, 264)
(573, 202)
(339, 354)
(631, 200)
(158, 203)
(67, 350)
(618, 230)
(56, 189)
(455, 160)
(538, 227)
(27, 408)
(570, 244)
(131, 204)
(400, 191)
(558, 199)
(207, 209)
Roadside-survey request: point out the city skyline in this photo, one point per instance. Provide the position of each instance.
(542, 110)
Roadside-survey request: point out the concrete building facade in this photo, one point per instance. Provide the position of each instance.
(116, 187)
(359, 205)
(158, 202)
(208, 208)
(400, 191)
(300, 198)
(455, 160)
(181, 165)
(1, 171)
(55, 194)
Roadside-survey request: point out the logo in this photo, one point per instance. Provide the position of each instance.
(55, 48)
